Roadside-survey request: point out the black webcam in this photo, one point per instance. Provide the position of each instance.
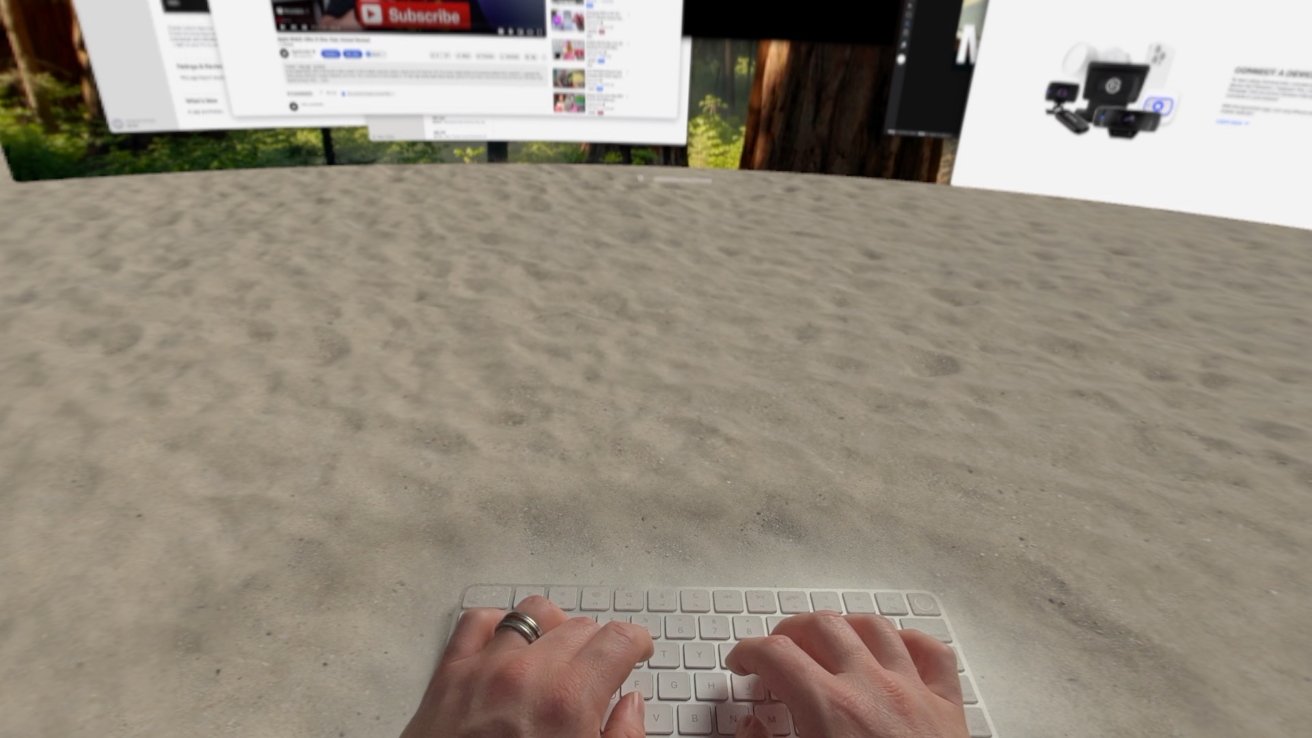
(1063, 92)
(1125, 123)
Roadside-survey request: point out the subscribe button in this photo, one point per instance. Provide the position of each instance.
(413, 14)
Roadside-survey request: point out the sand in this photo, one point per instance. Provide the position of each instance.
(259, 429)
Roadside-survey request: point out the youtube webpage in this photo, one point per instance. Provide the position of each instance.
(558, 128)
(158, 69)
(1174, 104)
(481, 57)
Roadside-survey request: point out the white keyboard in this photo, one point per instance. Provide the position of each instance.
(687, 688)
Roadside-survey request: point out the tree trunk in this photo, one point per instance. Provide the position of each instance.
(730, 79)
(820, 108)
(25, 59)
(674, 156)
(90, 93)
(596, 153)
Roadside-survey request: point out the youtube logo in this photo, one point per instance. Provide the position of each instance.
(371, 14)
(413, 15)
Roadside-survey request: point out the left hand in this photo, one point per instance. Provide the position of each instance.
(494, 684)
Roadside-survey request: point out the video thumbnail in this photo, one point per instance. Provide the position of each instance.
(969, 29)
(567, 20)
(569, 79)
(474, 17)
(567, 50)
(186, 6)
(566, 103)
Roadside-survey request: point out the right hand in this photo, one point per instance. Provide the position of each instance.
(856, 676)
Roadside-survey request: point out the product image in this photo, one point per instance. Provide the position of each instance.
(1060, 93)
(1112, 87)
(1125, 123)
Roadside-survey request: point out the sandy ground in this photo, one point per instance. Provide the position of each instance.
(259, 429)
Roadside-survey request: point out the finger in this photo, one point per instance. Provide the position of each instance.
(543, 611)
(936, 664)
(565, 640)
(881, 639)
(789, 672)
(627, 720)
(607, 659)
(830, 640)
(472, 633)
(752, 727)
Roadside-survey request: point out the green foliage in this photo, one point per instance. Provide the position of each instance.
(542, 152)
(471, 154)
(714, 141)
(73, 146)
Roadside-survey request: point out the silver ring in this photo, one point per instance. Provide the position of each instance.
(521, 624)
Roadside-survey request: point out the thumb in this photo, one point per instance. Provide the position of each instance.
(752, 727)
(627, 719)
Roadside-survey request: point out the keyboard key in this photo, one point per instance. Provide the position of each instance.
(595, 599)
(659, 719)
(649, 621)
(629, 600)
(976, 724)
(712, 687)
(727, 717)
(662, 600)
(639, 681)
(859, 602)
(892, 603)
(725, 648)
(487, 596)
(674, 685)
(747, 688)
(968, 695)
(728, 600)
(748, 626)
(761, 602)
(937, 627)
(523, 593)
(793, 602)
(826, 601)
(695, 600)
(714, 627)
(698, 656)
(606, 617)
(665, 656)
(961, 665)
(776, 718)
(680, 627)
(696, 719)
(566, 598)
(773, 622)
(923, 604)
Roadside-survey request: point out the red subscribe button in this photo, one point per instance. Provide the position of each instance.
(413, 14)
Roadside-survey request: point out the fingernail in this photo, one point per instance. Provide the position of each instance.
(633, 704)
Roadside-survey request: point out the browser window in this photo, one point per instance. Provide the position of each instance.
(558, 128)
(158, 69)
(480, 57)
(1173, 104)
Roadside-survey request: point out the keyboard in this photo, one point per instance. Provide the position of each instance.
(687, 689)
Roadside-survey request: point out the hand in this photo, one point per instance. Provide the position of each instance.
(494, 684)
(856, 676)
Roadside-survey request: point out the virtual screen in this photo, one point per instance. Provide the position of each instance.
(517, 17)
